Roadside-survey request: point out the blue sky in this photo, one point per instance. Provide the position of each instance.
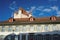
(41, 8)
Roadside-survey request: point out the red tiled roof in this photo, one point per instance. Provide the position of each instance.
(35, 21)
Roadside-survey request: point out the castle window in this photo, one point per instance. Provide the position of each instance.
(3, 29)
(10, 29)
(17, 29)
(31, 18)
(53, 18)
(54, 27)
(31, 28)
(38, 28)
(0, 28)
(6, 28)
(24, 28)
(46, 28)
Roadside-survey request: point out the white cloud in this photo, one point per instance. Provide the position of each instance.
(27, 11)
(14, 1)
(40, 8)
(47, 10)
(43, 9)
(57, 10)
(13, 5)
(58, 13)
(12, 8)
(50, 9)
(41, 14)
(54, 8)
(32, 8)
(28, 8)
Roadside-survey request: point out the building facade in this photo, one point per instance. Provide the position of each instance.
(23, 26)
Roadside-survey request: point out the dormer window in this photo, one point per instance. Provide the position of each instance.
(53, 18)
(11, 20)
(31, 18)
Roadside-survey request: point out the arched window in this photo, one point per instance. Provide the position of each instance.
(10, 37)
(47, 36)
(55, 37)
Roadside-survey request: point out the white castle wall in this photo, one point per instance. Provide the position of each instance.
(20, 15)
(29, 28)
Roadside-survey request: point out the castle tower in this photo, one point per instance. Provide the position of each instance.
(21, 13)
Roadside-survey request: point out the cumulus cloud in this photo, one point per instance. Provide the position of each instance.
(27, 11)
(31, 9)
(43, 9)
(51, 9)
(13, 5)
(41, 14)
(54, 8)
(57, 10)
(40, 8)
(28, 8)
(58, 13)
(47, 10)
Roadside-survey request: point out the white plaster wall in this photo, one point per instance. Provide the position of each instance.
(20, 15)
(24, 16)
(30, 28)
(17, 15)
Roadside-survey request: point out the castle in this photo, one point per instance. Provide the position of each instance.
(23, 26)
